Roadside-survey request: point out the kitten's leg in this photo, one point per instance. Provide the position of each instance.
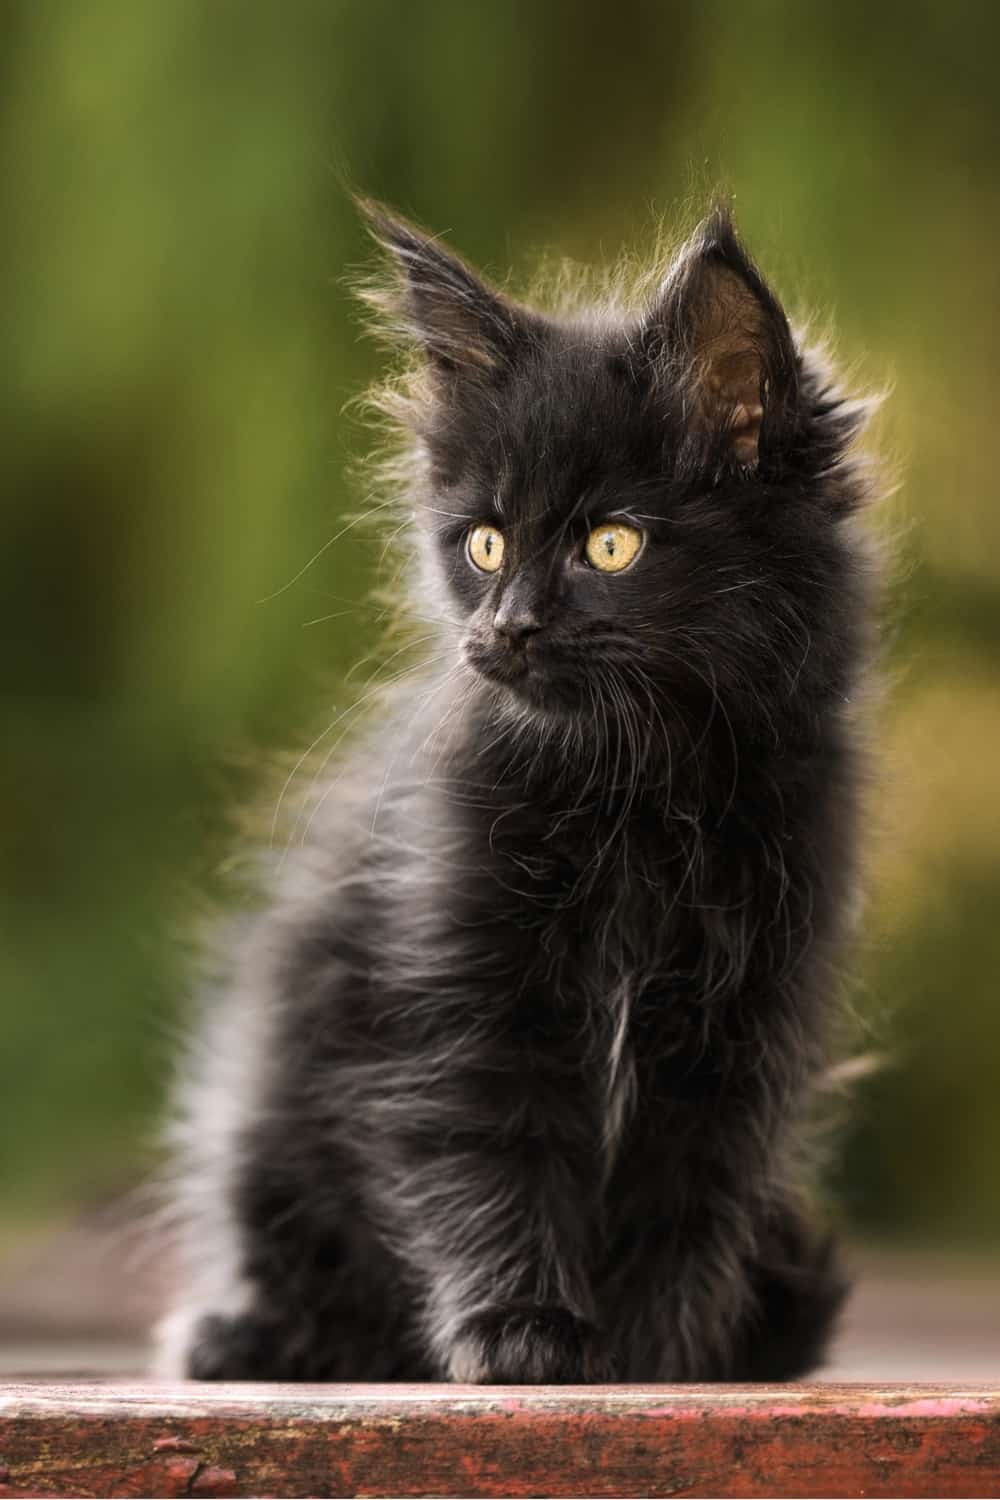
(492, 1223)
(302, 1302)
(691, 1310)
(685, 1288)
(798, 1288)
(280, 1277)
(717, 1297)
(508, 1300)
(770, 1318)
(708, 1170)
(677, 1287)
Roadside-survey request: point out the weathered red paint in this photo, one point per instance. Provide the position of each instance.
(282, 1440)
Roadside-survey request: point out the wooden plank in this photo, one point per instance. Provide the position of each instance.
(284, 1440)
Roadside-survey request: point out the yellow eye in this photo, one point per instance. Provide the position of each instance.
(485, 548)
(612, 547)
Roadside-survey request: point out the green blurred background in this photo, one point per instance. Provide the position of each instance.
(179, 346)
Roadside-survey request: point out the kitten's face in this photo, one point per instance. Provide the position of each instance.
(550, 546)
(615, 507)
(580, 558)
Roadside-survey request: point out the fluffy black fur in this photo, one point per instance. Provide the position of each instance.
(512, 1078)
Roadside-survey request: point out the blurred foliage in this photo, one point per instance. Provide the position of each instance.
(179, 348)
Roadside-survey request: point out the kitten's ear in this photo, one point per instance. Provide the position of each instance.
(463, 325)
(716, 331)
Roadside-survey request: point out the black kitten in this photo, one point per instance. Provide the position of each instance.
(511, 1081)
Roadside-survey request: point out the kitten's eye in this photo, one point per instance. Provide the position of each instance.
(485, 548)
(610, 548)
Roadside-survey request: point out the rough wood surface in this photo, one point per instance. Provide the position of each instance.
(167, 1440)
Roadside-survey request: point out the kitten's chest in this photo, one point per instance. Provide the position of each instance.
(641, 964)
(614, 865)
(616, 924)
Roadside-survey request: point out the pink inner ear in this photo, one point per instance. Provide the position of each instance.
(727, 336)
(731, 396)
(745, 430)
(746, 417)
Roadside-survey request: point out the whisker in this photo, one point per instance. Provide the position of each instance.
(356, 521)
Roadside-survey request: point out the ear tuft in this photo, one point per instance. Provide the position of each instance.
(717, 331)
(435, 299)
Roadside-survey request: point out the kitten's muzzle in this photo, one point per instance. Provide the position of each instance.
(503, 658)
(508, 655)
(516, 619)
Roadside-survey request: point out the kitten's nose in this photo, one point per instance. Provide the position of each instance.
(516, 619)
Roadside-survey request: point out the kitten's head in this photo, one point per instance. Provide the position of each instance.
(632, 512)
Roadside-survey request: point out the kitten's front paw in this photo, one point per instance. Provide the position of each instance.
(528, 1346)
